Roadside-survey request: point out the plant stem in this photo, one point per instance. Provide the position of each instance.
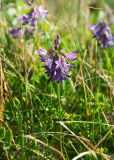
(60, 110)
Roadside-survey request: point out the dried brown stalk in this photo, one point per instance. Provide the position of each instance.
(1, 94)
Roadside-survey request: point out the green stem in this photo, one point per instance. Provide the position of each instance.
(107, 59)
(59, 95)
(60, 110)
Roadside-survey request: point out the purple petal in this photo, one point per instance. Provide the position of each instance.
(56, 43)
(31, 14)
(49, 63)
(40, 11)
(111, 38)
(15, 32)
(33, 22)
(58, 64)
(43, 54)
(22, 17)
(91, 27)
(71, 56)
(26, 18)
(67, 66)
(60, 75)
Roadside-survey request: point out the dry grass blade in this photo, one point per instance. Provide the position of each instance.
(1, 93)
(103, 76)
(44, 144)
(81, 155)
(104, 137)
(91, 147)
(106, 79)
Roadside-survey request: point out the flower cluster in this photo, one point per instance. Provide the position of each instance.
(31, 19)
(56, 61)
(101, 32)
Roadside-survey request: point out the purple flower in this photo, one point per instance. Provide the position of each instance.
(24, 18)
(40, 12)
(71, 56)
(56, 43)
(27, 18)
(34, 15)
(56, 61)
(33, 22)
(101, 32)
(43, 54)
(17, 32)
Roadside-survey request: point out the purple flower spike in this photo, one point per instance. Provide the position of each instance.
(57, 42)
(71, 56)
(101, 32)
(56, 61)
(35, 15)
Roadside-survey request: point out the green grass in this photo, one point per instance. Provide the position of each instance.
(45, 120)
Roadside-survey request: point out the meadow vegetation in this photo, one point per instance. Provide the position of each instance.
(56, 80)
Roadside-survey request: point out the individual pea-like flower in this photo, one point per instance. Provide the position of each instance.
(39, 11)
(17, 32)
(56, 61)
(101, 32)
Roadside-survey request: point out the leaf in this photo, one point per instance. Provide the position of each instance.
(39, 153)
(9, 136)
(20, 140)
(2, 133)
